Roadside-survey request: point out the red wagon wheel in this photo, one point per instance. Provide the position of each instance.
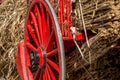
(43, 58)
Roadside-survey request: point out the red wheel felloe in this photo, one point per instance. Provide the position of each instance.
(43, 45)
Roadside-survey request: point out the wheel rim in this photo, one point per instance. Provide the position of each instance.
(42, 48)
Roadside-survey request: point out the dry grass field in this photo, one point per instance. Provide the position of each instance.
(102, 17)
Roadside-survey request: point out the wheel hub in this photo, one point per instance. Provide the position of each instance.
(38, 57)
(42, 56)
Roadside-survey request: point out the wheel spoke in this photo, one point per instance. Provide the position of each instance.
(31, 31)
(35, 25)
(48, 75)
(30, 74)
(37, 75)
(44, 75)
(51, 73)
(48, 28)
(41, 74)
(53, 65)
(52, 52)
(50, 40)
(44, 30)
(39, 23)
(29, 45)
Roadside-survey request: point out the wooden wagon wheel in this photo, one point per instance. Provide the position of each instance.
(41, 56)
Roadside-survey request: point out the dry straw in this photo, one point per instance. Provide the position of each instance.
(12, 20)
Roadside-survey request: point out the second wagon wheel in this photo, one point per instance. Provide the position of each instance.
(44, 49)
